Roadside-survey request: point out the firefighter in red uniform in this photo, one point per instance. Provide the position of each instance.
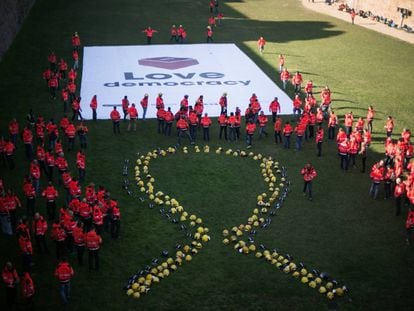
(319, 140)
(85, 212)
(261, 44)
(193, 120)
(309, 88)
(262, 120)
(30, 194)
(133, 116)
(28, 290)
(35, 175)
(274, 108)
(287, 133)
(297, 81)
(94, 107)
(10, 280)
(278, 129)
(182, 130)
(27, 136)
(125, 106)
(309, 173)
(79, 241)
(206, 123)
(161, 120)
(377, 173)
(51, 194)
(93, 243)
(149, 32)
(39, 228)
(58, 234)
(116, 118)
(168, 119)
(26, 250)
(81, 165)
(159, 102)
(144, 105)
(76, 43)
(97, 218)
(64, 273)
(250, 129)
(222, 121)
(343, 151)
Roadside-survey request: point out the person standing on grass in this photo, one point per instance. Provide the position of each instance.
(64, 273)
(281, 62)
(370, 118)
(10, 280)
(173, 32)
(278, 130)
(206, 123)
(274, 108)
(297, 81)
(353, 14)
(133, 116)
(250, 129)
(149, 33)
(319, 140)
(308, 173)
(93, 244)
(125, 106)
(409, 224)
(389, 126)
(209, 34)
(261, 44)
(116, 118)
(284, 76)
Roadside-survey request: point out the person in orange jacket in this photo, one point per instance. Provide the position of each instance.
(125, 106)
(28, 290)
(274, 108)
(182, 130)
(300, 130)
(209, 33)
(297, 105)
(262, 120)
(26, 249)
(97, 218)
(261, 44)
(79, 241)
(343, 151)
(39, 229)
(309, 173)
(93, 244)
(76, 42)
(281, 62)
(144, 105)
(173, 33)
(81, 165)
(278, 130)
(377, 173)
(168, 119)
(51, 194)
(64, 273)
(9, 148)
(389, 126)
(149, 32)
(348, 121)
(115, 222)
(250, 129)
(11, 202)
(10, 280)
(58, 234)
(30, 194)
(370, 118)
(319, 140)
(133, 116)
(193, 122)
(161, 120)
(287, 133)
(116, 119)
(297, 81)
(82, 131)
(206, 123)
(27, 136)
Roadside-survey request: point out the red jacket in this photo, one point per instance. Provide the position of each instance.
(39, 226)
(250, 128)
(58, 234)
(274, 106)
(64, 272)
(309, 173)
(115, 116)
(10, 277)
(27, 286)
(205, 122)
(78, 236)
(93, 240)
(25, 245)
(50, 193)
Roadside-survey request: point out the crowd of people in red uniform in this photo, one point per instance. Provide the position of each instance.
(77, 214)
(89, 211)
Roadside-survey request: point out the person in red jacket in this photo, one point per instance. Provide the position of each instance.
(93, 244)
(250, 129)
(297, 105)
(261, 44)
(399, 192)
(206, 123)
(63, 67)
(182, 129)
(9, 148)
(159, 102)
(144, 105)
(281, 62)
(10, 280)
(97, 218)
(94, 107)
(125, 106)
(193, 121)
(278, 130)
(297, 81)
(64, 273)
(76, 42)
(377, 175)
(27, 136)
(209, 33)
(287, 133)
(262, 120)
(51, 194)
(116, 119)
(28, 290)
(308, 173)
(13, 131)
(39, 229)
(319, 140)
(274, 108)
(174, 34)
(79, 241)
(161, 120)
(11, 202)
(223, 122)
(26, 249)
(370, 118)
(168, 119)
(58, 234)
(149, 32)
(133, 116)
(389, 126)
(30, 194)
(343, 151)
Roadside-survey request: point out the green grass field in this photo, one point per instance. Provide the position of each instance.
(357, 240)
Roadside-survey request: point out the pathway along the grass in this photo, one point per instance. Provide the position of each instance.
(321, 7)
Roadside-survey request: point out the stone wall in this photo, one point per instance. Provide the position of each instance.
(12, 15)
(386, 8)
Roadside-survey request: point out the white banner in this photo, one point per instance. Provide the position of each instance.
(112, 72)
